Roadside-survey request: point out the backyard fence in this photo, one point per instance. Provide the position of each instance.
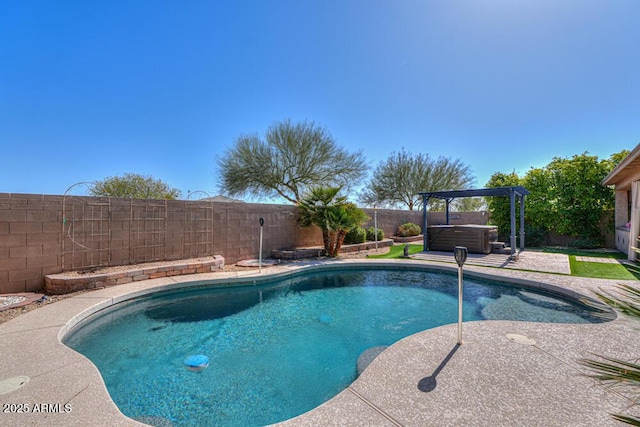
(104, 231)
(48, 234)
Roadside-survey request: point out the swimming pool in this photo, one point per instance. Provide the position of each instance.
(280, 348)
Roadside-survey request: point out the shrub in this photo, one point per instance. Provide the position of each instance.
(409, 229)
(371, 234)
(535, 236)
(585, 243)
(356, 235)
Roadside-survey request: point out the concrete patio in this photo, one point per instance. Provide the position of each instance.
(504, 374)
(532, 261)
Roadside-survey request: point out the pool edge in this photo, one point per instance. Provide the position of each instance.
(98, 300)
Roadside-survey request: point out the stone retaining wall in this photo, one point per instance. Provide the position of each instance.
(400, 239)
(317, 251)
(65, 283)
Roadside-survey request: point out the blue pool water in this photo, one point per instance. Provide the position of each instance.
(281, 348)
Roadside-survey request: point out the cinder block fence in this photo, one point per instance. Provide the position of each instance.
(48, 234)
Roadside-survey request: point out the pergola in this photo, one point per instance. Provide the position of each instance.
(449, 196)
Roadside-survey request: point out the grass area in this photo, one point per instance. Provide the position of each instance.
(397, 251)
(603, 270)
(581, 252)
(598, 270)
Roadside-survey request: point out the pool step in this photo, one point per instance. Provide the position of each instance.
(367, 356)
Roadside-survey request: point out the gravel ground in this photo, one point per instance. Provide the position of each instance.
(11, 313)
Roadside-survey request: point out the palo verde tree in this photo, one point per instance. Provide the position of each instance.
(135, 186)
(468, 204)
(334, 215)
(289, 161)
(398, 180)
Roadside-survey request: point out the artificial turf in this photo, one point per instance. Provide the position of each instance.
(598, 270)
(601, 270)
(397, 251)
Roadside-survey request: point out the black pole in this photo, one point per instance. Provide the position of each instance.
(425, 235)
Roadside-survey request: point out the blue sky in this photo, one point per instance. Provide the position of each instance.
(90, 89)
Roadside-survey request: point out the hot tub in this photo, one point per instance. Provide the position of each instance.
(476, 238)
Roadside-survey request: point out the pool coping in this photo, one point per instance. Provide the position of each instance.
(31, 346)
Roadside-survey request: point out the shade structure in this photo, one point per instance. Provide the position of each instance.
(512, 192)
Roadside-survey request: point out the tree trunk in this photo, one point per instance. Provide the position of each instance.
(339, 240)
(326, 240)
(333, 247)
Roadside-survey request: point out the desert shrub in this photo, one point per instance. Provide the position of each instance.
(356, 235)
(371, 234)
(409, 229)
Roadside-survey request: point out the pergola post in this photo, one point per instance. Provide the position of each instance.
(512, 198)
(447, 201)
(425, 234)
(522, 196)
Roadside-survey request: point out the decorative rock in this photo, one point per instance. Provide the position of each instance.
(18, 300)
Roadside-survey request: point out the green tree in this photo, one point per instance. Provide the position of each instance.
(135, 186)
(580, 200)
(616, 158)
(540, 207)
(566, 198)
(468, 204)
(332, 214)
(500, 207)
(292, 159)
(398, 180)
(612, 371)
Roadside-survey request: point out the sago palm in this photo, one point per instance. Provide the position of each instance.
(616, 372)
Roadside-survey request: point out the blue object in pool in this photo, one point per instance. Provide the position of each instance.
(325, 318)
(196, 363)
